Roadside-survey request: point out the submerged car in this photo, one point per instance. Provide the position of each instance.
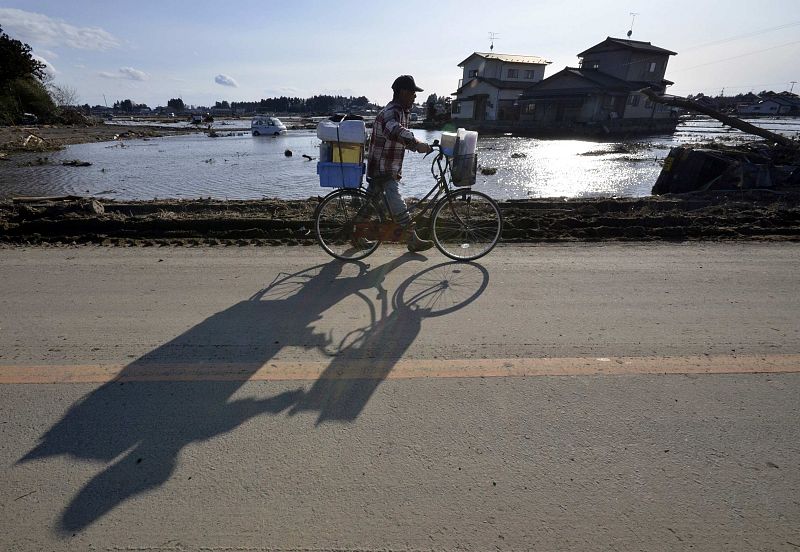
(269, 126)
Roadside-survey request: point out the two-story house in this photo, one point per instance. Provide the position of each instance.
(603, 90)
(492, 83)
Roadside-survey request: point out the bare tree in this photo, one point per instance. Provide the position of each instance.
(63, 95)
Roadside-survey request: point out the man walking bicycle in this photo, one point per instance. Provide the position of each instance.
(390, 138)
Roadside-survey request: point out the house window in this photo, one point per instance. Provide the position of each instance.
(633, 100)
(456, 108)
(530, 108)
(530, 74)
(473, 73)
(513, 74)
(653, 67)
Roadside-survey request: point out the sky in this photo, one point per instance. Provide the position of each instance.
(204, 52)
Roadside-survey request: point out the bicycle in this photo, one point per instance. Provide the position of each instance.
(464, 224)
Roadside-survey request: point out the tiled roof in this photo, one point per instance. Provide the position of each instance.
(508, 58)
(497, 83)
(630, 44)
(593, 79)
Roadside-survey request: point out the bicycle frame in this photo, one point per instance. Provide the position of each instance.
(440, 189)
(370, 220)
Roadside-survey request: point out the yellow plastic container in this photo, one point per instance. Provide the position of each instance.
(347, 153)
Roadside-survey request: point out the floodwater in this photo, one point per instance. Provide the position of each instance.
(237, 165)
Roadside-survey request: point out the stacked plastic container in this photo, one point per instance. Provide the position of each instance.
(460, 146)
(341, 154)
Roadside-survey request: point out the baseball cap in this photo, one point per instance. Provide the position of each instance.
(405, 82)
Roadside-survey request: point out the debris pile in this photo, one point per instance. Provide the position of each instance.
(751, 166)
(773, 164)
(31, 143)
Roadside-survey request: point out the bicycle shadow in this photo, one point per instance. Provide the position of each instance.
(344, 388)
(141, 428)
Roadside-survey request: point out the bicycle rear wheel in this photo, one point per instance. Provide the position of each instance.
(342, 225)
(466, 225)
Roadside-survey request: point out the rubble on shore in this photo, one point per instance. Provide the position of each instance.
(744, 215)
(46, 138)
(720, 168)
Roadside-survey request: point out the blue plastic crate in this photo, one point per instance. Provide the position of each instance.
(340, 175)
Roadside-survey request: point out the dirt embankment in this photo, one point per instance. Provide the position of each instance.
(55, 137)
(749, 215)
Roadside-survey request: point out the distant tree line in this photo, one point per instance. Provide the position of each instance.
(437, 108)
(127, 106)
(314, 104)
(176, 104)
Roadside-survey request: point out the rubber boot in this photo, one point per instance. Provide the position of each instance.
(415, 243)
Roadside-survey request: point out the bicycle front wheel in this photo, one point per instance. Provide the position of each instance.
(342, 225)
(466, 225)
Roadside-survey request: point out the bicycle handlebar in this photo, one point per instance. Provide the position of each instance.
(434, 146)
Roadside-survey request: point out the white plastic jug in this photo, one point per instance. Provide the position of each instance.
(470, 142)
(448, 143)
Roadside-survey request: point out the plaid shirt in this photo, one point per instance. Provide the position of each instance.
(390, 138)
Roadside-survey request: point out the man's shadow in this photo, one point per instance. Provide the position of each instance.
(140, 428)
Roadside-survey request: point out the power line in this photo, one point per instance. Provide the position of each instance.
(741, 86)
(755, 85)
(723, 40)
(737, 37)
(748, 87)
(737, 57)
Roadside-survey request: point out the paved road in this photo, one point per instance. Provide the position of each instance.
(581, 397)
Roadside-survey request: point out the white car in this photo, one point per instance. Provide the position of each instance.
(268, 126)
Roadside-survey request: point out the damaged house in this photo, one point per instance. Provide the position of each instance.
(601, 96)
(491, 84)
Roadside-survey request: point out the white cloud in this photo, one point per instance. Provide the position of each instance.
(48, 67)
(126, 73)
(225, 80)
(133, 74)
(39, 29)
(49, 54)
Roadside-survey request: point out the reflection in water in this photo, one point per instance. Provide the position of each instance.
(241, 166)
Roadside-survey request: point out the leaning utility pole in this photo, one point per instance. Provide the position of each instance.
(735, 122)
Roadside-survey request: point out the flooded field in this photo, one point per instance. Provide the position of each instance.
(236, 165)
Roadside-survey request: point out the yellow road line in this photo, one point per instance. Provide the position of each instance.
(339, 368)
